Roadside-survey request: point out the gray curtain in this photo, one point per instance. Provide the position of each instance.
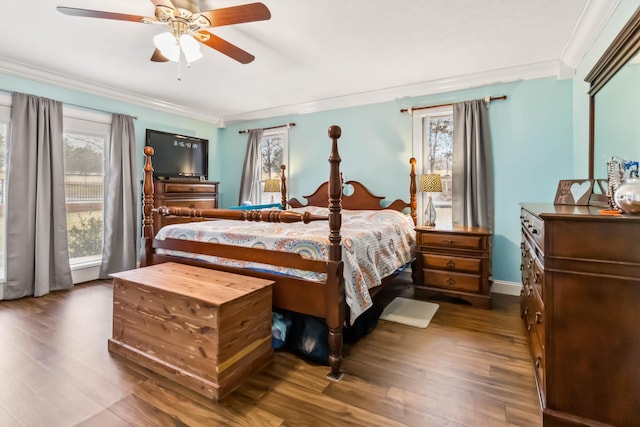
(251, 168)
(37, 253)
(473, 198)
(120, 198)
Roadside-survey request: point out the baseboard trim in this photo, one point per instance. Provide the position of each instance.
(507, 288)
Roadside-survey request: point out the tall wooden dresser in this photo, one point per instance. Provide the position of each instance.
(580, 304)
(188, 194)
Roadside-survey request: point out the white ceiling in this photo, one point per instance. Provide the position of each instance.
(311, 55)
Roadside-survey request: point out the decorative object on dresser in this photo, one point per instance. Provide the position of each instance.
(430, 183)
(574, 192)
(272, 186)
(579, 303)
(188, 194)
(627, 196)
(456, 262)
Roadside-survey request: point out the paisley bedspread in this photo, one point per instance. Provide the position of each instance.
(375, 243)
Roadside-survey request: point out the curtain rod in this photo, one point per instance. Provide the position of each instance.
(493, 98)
(271, 127)
(70, 104)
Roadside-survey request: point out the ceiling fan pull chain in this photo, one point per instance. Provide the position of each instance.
(179, 60)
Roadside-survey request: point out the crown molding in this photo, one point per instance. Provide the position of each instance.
(595, 15)
(526, 72)
(42, 75)
(591, 22)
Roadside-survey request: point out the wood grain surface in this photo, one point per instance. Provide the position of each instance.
(470, 367)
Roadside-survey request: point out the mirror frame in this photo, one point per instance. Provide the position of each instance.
(624, 46)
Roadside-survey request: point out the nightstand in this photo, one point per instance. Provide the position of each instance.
(454, 261)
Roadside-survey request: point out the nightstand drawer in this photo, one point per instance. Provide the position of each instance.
(451, 263)
(454, 281)
(451, 240)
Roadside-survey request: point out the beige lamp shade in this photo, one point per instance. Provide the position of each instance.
(271, 185)
(430, 183)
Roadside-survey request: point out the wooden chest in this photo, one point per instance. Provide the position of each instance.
(207, 330)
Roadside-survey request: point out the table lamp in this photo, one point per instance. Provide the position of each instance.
(272, 186)
(430, 183)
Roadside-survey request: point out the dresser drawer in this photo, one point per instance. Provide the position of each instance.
(537, 353)
(537, 278)
(534, 316)
(182, 187)
(534, 226)
(191, 203)
(459, 264)
(451, 240)
(453, 281)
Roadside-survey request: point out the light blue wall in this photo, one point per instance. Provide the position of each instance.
(147, 118)
(531, 136)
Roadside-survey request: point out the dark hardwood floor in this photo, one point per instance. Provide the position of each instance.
(470, 367)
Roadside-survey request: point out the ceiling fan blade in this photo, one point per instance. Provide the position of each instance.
(237, 14)
(158, 56)
(99, 14)
(165, 3)
(223, 46)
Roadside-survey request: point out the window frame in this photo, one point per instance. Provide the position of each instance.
(285, 158)
(418, 138)
(93, 124)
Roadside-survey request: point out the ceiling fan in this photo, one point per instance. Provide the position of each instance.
(188, 26)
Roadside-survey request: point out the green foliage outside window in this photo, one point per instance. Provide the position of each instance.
(85, 237)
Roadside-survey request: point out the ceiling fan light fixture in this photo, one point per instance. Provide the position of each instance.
(190, 48)
(168, 46)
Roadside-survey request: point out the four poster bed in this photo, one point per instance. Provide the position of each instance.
(303, 284)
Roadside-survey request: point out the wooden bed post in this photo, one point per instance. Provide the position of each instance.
(413, 201)
(146, 254)
(283, 186)
(334, 290)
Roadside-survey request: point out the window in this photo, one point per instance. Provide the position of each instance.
(273, 153)
(433, 146)
(5, 114)
(85, 135)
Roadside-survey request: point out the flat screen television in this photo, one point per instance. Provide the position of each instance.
(178, 156)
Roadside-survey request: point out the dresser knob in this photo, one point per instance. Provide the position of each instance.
(529, 327)
(538, 317)
(525, 312)
(450, 242)
(450, 281)
(538, 361)
(451, 264)
(534, 231)
(192, 206)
